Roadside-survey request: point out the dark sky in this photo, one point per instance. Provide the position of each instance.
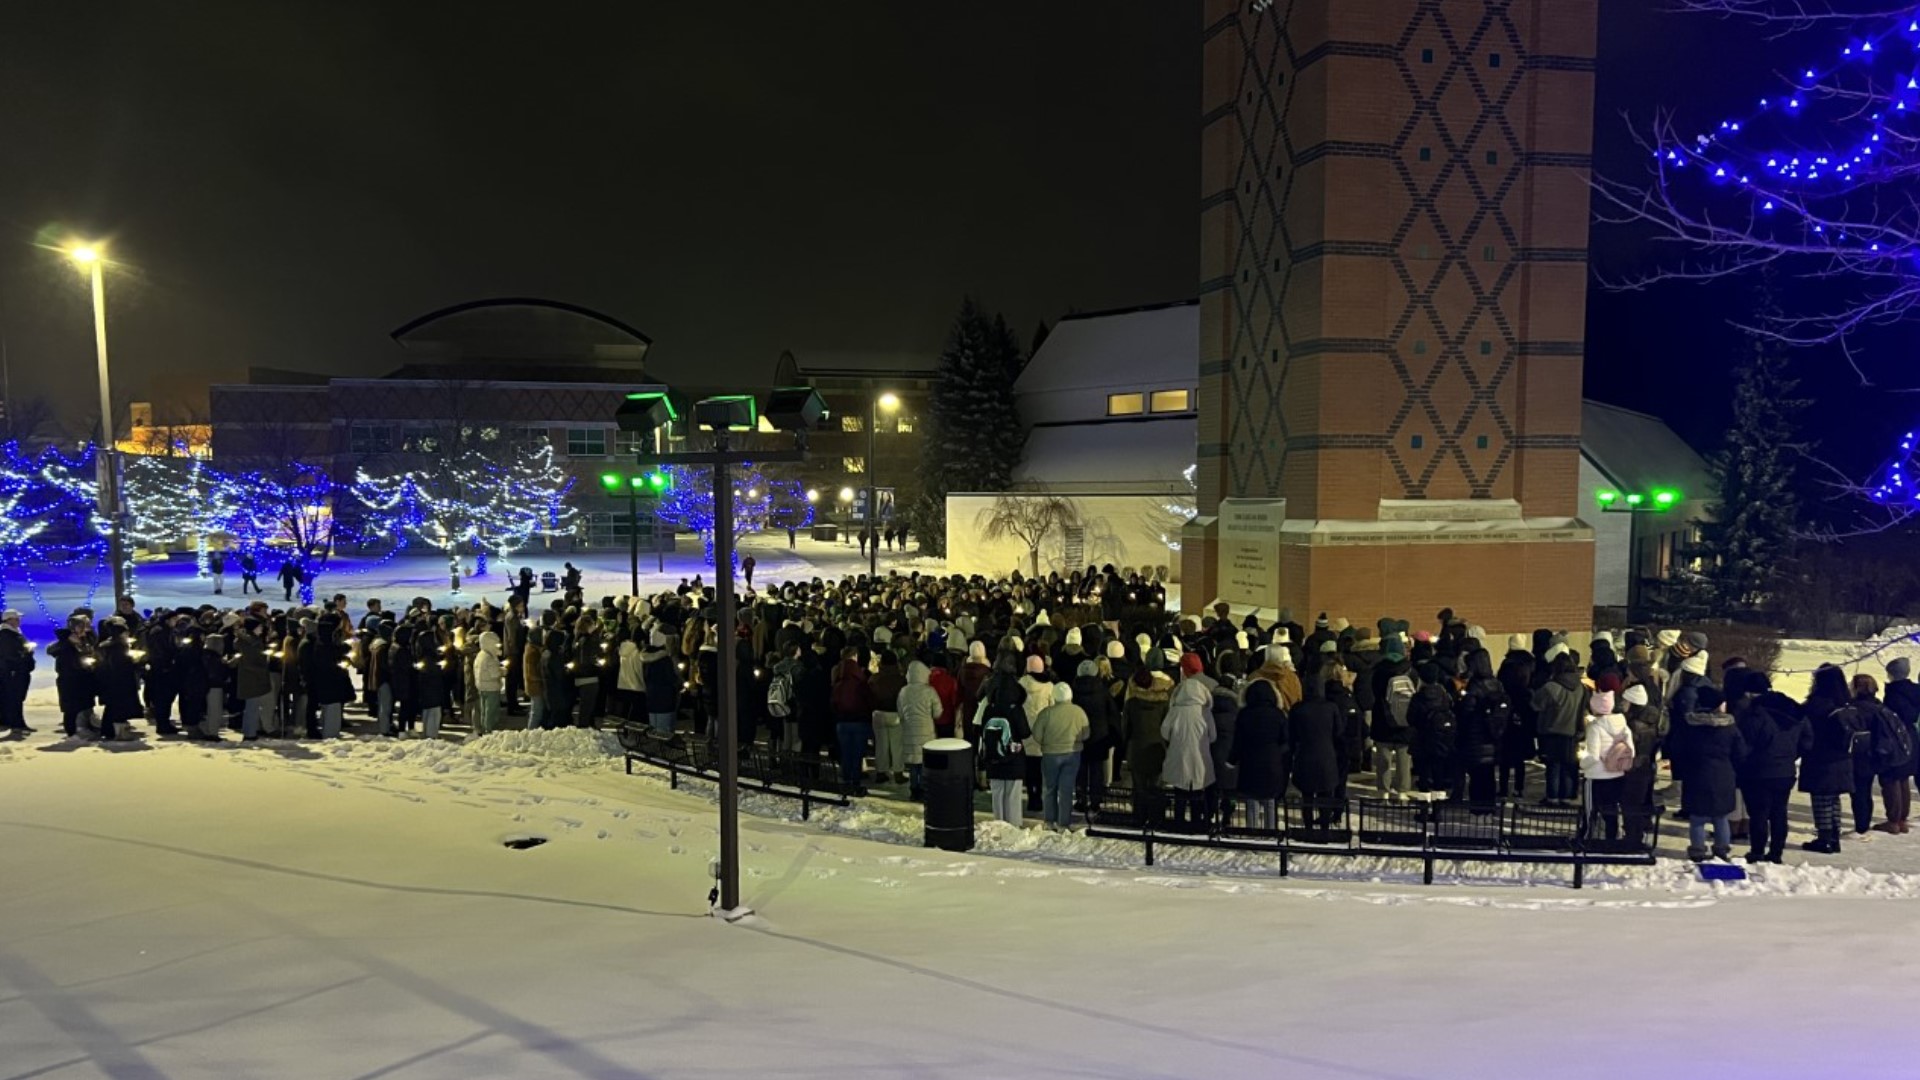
(291, 182)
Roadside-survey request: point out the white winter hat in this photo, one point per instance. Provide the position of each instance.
(1477, 633)
(1240, 640)
(1073, 635)
(1695, 664)
(1041, 619)
(1062, 693)
(658, 639)
(977, 652)
(1517, 642)
(1634, 695)
(882, 636)
(1555, 651)
(1145, 643)
(1115, 650)
(1668, 638)
(1277, 654)
(1280, 635)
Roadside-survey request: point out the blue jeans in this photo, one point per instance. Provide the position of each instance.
(853, 747)
(1697, 832)
(536, 713)
(250, 715)
(1057, 773)
(662, 722)
(383, 699)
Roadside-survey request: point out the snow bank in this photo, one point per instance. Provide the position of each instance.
(541, 753)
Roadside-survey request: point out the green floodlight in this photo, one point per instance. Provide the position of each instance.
(1608, 497)
(1635, 499)
(660, 481)
(611, 481)
(636, 481)
(1665, 497)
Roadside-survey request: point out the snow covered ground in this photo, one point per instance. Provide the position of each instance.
(349, 909)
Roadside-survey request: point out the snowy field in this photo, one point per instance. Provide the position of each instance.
(349, 910)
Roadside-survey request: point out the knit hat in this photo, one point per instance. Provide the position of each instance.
(1555, 651)
(1341, 626)
(1041, 619)
(1601, 703)
(1330, 646)
(1073, 635)
(1190, 665)
(1608, 683)
(1422, 636)
(882, 636)
(1899, 669)
(1478, 633)
(1062, 693)
(1115, 650)
(1240, 640)
(1517, 642)
(1695, 664)
(1602, 635)
(1035, 665)
(1277, 654)
(1694, 640)
(1144, 642)
(1280, 635)
(1635, 694)
(977, 651)
(1321, 623)
(1668, 638)
(1639, 654)
(10, 615)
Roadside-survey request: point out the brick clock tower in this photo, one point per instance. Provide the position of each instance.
(1393, 256)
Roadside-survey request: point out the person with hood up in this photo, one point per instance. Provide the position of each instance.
(1606, 756)
(1258, 754)
(1277, 668)
(489, 682)
(1558, 706)
(1395, 687)
(919, 711)
(75, 659)
(1313, 733)
(557, 667)
(1432, 718)
(1226, 710)
(1890, 754)
(1188, 732)
(1517, 742)
(973, 676)
(1827, 767)
(1485, 713)
(1037, 683)
(1091, 694)
(329, 686)
(1060, 731)
(852, 716)
(1777, 736)
(117, 676)
(889, 763)
(1712, 748)
(252, 682)
(1148, 695)
(1001, 719)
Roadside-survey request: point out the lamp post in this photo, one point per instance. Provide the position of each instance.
(652, 484)
(1657, 501)
(888, 401)
(90, 259)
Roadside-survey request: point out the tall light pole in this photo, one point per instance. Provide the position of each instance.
(888, 401)
(90, 259)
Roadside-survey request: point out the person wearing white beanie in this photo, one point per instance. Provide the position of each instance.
(1517, 643)
(976, 652)
(1115, 650)
(1695, 664)
(1240, 640)
(1073, 635)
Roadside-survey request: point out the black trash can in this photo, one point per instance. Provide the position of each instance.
(948, 766)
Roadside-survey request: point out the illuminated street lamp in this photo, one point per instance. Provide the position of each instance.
(889, 401)
(92, 259)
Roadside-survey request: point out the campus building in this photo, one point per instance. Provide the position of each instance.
(1394, 213)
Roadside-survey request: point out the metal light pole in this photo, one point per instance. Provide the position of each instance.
(873, 493)
(90, 257)
(633, 535)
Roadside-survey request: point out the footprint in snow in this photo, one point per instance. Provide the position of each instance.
(676, 849)
(646, 835)
(622, 815)
(571, 823)
(601, 834)
(884, 882)
(824, 872)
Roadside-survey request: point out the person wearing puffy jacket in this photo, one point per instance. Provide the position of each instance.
(1711, 748)
(1558, 706)
(1060, 730)
(489, 682)
(1777, 736)
(1484, 713)
(1260, 735)
(1606, 756)
(1188, 732)
(852, 716)
(919, 708)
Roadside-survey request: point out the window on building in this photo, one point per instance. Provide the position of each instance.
(1418, 441)
(629, 443)
(420, 439)
(1480, 443)
(852, 423)
(1420, 347)
(903, 424)
(586, 442)
(1126, 404)
(1426, 153)
(1493, 157)
(854, 464)
(1426, 56)
(1486, 348)
(364, 438)
(1493, 60)
(1172, 400)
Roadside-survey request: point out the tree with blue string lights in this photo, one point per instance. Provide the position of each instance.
(487, 502)
(759, 502)
(47, 519)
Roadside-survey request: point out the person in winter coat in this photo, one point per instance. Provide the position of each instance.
(329, 686)
(489, 682)
(1313, 731)
(533, 673)
(1648, 722)
(1777, 736)
(1558, 707)
(1225, 696)
(1517, 742)
(252, 682)
(1091, 694)
(1711, 748)
(1258, 754)
(1001, 718)
(1038, 683)
(1277, 668)
(919, 710)
(1188, 732)
(973, 676)
(1891, 754)
(1431, 716)
(1827, 767)
(75, 658)
(852, 716)
(1353, 729)
(1148, 695)
(660, 682)
(219, 681)
(1395, 684)
(1060, 730)
(1485, 713)
(1606, 756)
(1681, 688)
(889, 761)
(118, 680)
(630, 682)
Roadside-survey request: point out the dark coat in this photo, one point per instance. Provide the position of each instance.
(1005, 697)
(1144, 710)
(119, 683)
(1384, 730)
(1091, 694)
(1903, 697)
(1776, 735)
(73, 677)
(1713, 750)
(430, 681)
(1353, 723)
(1259, 745)
(662, 681)
(1226, 713)
(1432, 718)
(1516, 677)
(1315, 738)
(1485, 714)
(1827, 766)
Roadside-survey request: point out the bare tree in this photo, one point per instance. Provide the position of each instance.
(1029, 518)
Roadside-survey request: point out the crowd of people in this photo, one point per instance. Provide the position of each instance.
(1065, 685)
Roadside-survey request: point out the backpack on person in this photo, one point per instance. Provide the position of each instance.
(996, 742)
(1893, 741)
(1400, 691)
(1618, 758)
(1857, 730)
(780, 696)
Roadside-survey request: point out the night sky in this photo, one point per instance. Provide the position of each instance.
(290, 183)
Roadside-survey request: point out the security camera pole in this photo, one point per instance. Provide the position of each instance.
(726, 415)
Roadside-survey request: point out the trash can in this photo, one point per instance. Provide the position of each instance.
(948, 768)
(826, 533)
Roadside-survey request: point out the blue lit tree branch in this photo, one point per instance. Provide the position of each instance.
(759, 502)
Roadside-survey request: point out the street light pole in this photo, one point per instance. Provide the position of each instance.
(109, 473)
(729, 708)
(873, 494)
(633, 534)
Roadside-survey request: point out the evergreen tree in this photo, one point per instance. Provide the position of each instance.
(1755, 509)
(974, 436)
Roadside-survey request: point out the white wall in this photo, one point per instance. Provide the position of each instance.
(1120, 529)
(1614, 533)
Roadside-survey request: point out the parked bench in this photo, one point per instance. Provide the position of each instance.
(807, 778)
(1428, 832)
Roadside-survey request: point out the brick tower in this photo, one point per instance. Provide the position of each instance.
(1394, 216)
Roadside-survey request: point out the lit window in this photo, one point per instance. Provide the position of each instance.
(852, 423)
(903, 424)
(854, 464)
(626, 443)
(586, 442)
(1126, 404)
(1172, 400)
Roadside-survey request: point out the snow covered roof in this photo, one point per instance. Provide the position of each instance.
(1133, 455)
(1146, 346)
(1638, 452)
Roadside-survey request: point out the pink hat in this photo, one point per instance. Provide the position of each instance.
(1602, 703)
(1035, 665)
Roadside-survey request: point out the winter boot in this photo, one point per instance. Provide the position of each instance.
(1696, 854)
(1722, 853)
(1752, 857)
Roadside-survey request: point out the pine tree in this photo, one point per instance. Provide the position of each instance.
(974, 436)
(1755, 510)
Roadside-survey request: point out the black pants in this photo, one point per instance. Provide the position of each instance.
(1481, 790)
(1190, 809)
(1862, 802)
(1033, 784)
(1636, 796)
(1604, 805)
(1767, 814)
(160, 696)
(1093, 770)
